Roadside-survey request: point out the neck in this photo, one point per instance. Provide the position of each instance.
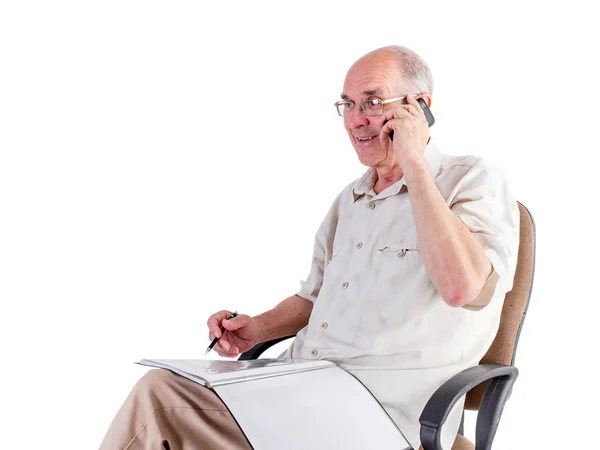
(386, 176)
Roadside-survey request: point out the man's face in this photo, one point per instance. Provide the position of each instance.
(377, 76)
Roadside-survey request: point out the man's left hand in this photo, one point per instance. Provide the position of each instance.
(411, 131)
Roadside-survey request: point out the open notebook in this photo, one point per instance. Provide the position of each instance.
(294, 404)
(212, 373)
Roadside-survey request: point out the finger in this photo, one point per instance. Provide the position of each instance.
(234, 324)
(214, 322)
(224, 343)
(223, 353)
(398, 112)
(215, 318)
(384, 134)
(214, 330)
(413, 111)
(231, 353)
(228, 354)
(412, 101)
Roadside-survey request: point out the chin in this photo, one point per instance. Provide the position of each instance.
(369, 159)
(366, 161)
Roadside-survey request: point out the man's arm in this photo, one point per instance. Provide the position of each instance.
(286, 319)
(455, 260)
(244, 332)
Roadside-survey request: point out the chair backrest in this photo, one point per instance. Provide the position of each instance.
(502, 350)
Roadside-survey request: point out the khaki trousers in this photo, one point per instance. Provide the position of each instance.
(165, 411)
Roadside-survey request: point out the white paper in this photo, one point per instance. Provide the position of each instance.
(321, 409)
(210, 372)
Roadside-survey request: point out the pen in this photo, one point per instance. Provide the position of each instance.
(215, 340)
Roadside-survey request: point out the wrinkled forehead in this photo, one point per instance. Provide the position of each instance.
(378, 76)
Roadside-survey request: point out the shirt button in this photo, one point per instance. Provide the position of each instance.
(345, 285)
(371, 205)
(359, 245)
(324, 325)
(402, 253)
(314, 352)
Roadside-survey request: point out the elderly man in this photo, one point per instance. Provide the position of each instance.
(410, 268)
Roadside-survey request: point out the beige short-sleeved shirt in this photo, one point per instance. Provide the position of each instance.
(376, 311)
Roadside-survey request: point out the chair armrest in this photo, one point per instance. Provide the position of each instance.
(440, 404)
(258, 349)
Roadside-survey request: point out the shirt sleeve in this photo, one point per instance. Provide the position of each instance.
(484, 203)
(322, 251)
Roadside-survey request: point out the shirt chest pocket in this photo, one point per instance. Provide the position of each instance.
(399, 262)
(405, 251)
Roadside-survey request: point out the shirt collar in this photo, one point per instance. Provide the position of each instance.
(365, 184)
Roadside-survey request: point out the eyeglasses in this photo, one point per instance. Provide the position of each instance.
(371, 107)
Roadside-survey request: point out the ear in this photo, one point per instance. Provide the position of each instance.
(427, 97)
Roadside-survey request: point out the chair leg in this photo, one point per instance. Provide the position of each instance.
(461, 429)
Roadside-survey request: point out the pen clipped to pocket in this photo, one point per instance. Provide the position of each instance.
(398, 251)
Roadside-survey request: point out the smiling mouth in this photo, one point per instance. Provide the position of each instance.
(365, 139)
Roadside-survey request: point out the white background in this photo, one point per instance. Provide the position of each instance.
(161, 161)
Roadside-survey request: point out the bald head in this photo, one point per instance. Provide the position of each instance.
(414, 72)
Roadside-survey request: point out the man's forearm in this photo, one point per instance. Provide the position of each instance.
(286, 319)
(456, 262)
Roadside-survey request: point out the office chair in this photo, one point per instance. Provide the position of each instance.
(488, 385)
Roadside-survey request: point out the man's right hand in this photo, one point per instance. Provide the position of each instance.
(241, 333)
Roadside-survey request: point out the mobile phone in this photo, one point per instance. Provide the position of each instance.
(426, 111)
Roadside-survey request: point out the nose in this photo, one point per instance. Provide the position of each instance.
(356, 119)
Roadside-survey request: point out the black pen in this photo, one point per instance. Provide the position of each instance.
(215, 340)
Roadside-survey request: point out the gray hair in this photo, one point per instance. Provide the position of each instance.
(415, 71)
